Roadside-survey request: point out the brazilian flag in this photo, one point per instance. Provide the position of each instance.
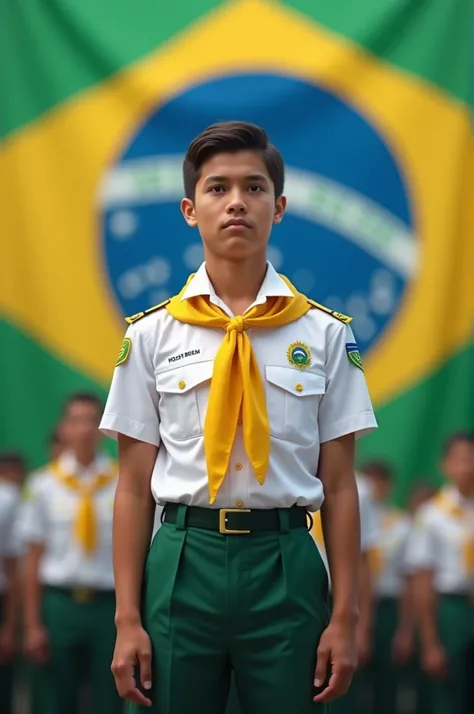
(369, 104)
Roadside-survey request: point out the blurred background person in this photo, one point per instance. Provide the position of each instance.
(66, 527)
(57, 443)
(441, 558)
(394, 626)
(12, 473)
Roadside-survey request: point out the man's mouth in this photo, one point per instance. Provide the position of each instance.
(237, 223)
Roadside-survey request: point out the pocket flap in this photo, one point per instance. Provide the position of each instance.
(302, 384)
(180, 380)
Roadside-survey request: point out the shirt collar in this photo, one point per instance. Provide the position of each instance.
(273, 285)
(70, 465)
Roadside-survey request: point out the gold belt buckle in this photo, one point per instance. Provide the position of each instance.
(82, 595)
(223, 521)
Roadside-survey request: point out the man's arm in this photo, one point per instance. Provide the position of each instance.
(35, 635)
(8, 629)
(404, 638)
(341, 529)
(132, 528)
(433, 654)
(366, 610)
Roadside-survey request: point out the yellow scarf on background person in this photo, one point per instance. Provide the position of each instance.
(85, 527)
(236, 381)
(447, 502)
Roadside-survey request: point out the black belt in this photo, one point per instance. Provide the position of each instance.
(237, 521)
(81, 594)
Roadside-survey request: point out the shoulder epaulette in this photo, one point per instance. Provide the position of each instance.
(338, 315)
(139, 315)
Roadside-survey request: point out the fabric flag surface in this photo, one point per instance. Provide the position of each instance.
(369, 104)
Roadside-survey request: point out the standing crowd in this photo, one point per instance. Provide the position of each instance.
(416, 626)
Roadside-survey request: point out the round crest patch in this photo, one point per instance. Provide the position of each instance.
(299, 355)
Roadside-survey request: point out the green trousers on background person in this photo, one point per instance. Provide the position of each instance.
(82, 640)
(254, 605)
(6, 677)
(384, 678)
(454, 693)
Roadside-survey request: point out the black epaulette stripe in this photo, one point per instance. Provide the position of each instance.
(139, 315)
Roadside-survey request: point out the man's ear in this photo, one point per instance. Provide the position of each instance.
(187, 209)
(280, 206)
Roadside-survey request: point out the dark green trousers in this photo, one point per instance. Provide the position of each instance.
(82, 637)
(254, 605)
(6, 678)
(454, 694)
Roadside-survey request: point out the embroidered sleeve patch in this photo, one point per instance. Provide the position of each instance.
(353, 353)
(125, 350)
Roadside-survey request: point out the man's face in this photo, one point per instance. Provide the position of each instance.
(234, 206)
(458, 465)
(380, 486)
(12, 472)
(81, 425)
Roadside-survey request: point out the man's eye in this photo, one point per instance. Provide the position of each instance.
(255, 188)
(217, 189)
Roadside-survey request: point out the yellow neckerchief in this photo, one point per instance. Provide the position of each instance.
(85, 527)
(449, 502)
(236, 381)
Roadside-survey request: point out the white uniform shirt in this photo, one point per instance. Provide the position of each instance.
(442, 540)
(9, 543)
(394, 529)
(160, 394)
(48, 516)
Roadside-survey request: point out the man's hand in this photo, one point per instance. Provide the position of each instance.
(337, 653)
(7, 643)
(402, 647)
(36, 644)
(133, 647)
(434, 661)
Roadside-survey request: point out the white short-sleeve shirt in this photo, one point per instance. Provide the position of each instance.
(394, 529)
(48, 514)
(159, 395)
(9, 544)
(442, 540)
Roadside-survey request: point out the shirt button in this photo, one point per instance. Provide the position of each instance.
(181, 384)
(239, 504)
(299, 387)
(238, 467)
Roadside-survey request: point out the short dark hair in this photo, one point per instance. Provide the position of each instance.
(87, 397)
(377, 468)
(13, 458)
(457, 438)
(231, 137)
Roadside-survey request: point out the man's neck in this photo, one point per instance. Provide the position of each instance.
(236, 283)
(85, 457)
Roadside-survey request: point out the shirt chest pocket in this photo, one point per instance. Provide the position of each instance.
(184, 393)
(293, 403)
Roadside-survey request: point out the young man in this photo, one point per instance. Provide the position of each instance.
(441, 558)
(12, 472)
(66, 526)
(236, 400)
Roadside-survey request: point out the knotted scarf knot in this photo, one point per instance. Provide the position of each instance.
(236, 323)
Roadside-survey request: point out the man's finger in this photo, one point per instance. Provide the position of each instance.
(144, 660)
(322, 663)
(338, 685)
(126, 686)
(134, 696)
